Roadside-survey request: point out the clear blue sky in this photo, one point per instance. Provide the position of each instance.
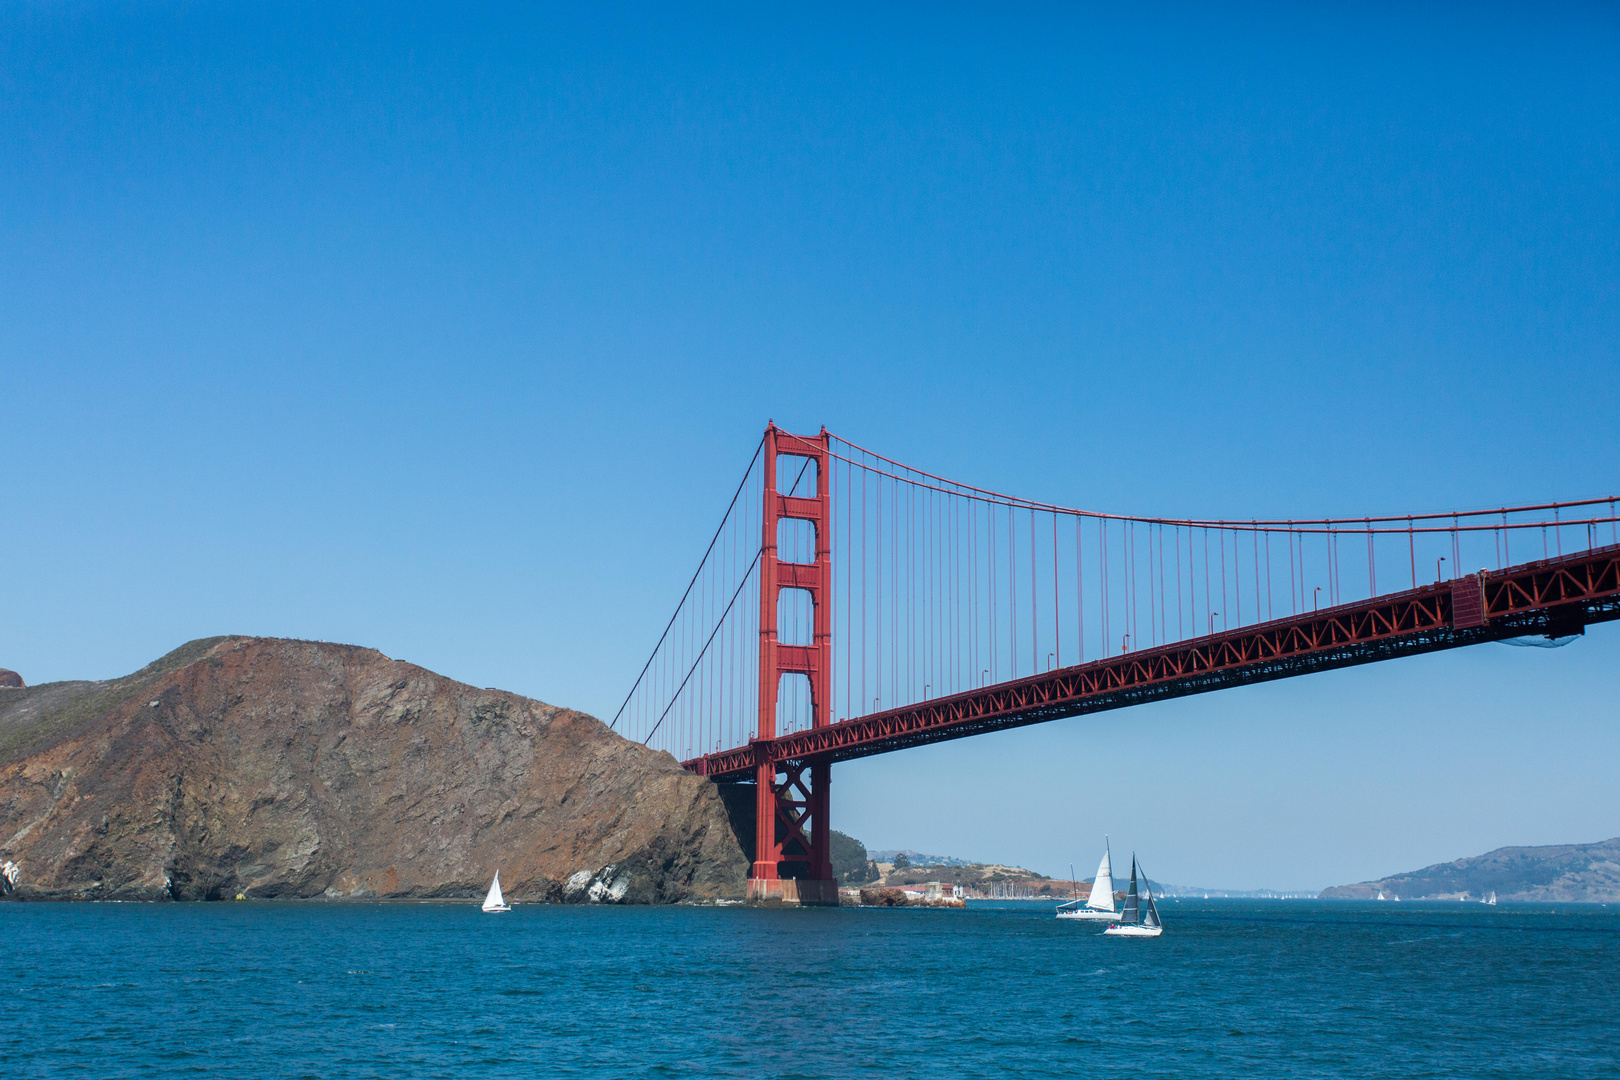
(448, 332)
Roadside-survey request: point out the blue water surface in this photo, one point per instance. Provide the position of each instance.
(1233, 989)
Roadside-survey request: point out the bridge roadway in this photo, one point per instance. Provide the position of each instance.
(1553, 597)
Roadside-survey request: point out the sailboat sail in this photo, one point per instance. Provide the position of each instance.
(1132, 913)
(1099, 903)
(1102, 886)
(495, 901)
(1150, 915)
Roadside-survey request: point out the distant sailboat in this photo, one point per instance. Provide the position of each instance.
(1381, 895)
(495, 901)
(1491, 899)
(1100, 904)
(1141, 915)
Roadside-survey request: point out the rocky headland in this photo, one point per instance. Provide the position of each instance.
(258, 768)
(1556, 873)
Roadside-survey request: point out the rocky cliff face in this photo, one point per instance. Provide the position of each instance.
(1556, 873)
(272, 768)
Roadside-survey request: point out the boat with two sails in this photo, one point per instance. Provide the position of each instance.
(1100, 904)
(1140, 918)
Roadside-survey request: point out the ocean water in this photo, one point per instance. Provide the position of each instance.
(1233, 989)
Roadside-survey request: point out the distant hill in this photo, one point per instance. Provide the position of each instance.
(1565, 873)
(918, 858)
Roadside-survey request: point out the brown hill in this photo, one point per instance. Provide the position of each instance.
(274, 768)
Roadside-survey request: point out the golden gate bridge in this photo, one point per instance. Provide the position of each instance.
(850, 605)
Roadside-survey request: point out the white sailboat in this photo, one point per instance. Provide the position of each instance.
(495, 902)
(1100, 904)
(1141, 915)
(1381, 895)
(1491, 899)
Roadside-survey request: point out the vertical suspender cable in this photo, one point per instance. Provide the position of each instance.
(1080, 592)
(1181, 631)
(1152, 634)
(1269, 614)
(1128, 534)
(1102, 586)
(877, 561)
(973, 591)
(1293, 605)
(1034, 606)
(992, 568)
(1303, 581)
(1372, 564)
(861, 701)
(1254, 548)
(1012, 590)
(1057, 627)
(1209, 606)
(1192, 585)
(1411, 547)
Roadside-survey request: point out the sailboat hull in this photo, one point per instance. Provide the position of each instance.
(1089, 914)
(1133, 931)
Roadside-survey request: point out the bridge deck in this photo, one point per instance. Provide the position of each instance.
(1549, 597)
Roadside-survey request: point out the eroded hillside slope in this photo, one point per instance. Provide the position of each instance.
(276, 768)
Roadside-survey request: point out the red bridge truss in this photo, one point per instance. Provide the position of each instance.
(918, 610)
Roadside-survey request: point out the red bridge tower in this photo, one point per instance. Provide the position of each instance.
(792, 840)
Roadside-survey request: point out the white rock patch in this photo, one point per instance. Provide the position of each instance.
(603, 887)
